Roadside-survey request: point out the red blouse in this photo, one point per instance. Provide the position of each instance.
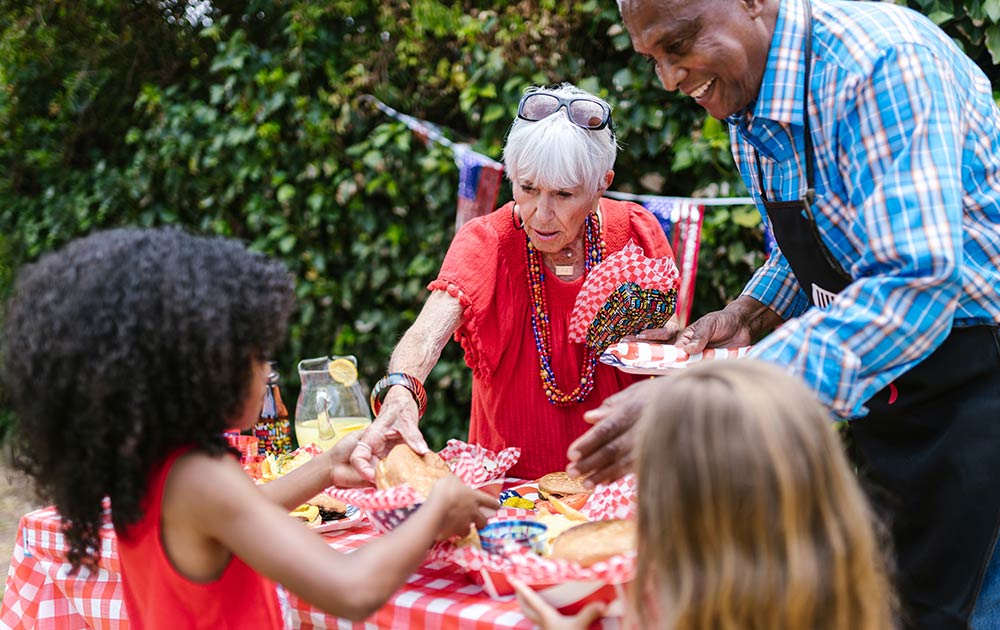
(157, 596)
(486, 268)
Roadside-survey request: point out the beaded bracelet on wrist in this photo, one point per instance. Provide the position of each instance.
(402, 379)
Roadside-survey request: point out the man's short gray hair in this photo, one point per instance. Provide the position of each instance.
(555, 153)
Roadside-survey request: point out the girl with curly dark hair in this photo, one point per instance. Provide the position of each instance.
(126, 355)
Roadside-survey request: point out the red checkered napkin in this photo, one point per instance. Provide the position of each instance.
(473, 464)
(613, 500)
(629, 265)
(477, 466)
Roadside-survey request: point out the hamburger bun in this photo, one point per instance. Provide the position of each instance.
(327, 503)
(594, 541)
(559, 484)
(403, 466)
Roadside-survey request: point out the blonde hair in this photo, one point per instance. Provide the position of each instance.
(555, 153)
(749, 514)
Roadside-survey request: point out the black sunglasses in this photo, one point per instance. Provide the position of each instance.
(581, 111)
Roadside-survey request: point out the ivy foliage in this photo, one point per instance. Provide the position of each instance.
(247, 119)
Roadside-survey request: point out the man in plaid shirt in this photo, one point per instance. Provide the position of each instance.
(871, 145)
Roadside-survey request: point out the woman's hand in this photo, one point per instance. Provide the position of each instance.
(548, 618)
(415, 355)
(459, 506)
(396, 422)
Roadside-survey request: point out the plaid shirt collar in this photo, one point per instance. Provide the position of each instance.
(780, 94)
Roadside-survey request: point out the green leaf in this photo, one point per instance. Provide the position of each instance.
(993, 42)
(746, 217)
(286, 192)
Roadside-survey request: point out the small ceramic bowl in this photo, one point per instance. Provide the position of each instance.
(500, 536)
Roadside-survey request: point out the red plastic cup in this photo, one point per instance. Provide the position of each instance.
(246, 445)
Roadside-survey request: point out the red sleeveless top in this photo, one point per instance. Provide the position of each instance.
(486, 268)
(157, 596)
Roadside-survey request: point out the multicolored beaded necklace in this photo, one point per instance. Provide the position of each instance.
(594, 246)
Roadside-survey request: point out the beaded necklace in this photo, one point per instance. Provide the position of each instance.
(594, 246)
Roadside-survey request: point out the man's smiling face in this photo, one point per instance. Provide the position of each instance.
(712, 50)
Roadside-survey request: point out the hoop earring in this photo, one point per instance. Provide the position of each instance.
(515, 215)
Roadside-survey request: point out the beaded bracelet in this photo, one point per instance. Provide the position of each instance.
(405, 380)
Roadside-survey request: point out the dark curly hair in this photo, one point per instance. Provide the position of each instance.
(122, 346)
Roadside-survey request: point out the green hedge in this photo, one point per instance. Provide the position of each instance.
(248, 122)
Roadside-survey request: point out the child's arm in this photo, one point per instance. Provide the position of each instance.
(332, 468)
(211, 507)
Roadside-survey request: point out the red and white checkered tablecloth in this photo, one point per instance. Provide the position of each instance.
(41, 595)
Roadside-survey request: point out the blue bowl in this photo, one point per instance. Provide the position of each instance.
(500, 536)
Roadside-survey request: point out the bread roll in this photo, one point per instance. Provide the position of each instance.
(403, 466)
(594, 541)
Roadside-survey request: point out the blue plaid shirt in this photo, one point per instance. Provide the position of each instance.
(907, 152)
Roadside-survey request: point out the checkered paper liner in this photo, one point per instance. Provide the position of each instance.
(613, 500)
(473, 464)
(627, 293)
(655, 358)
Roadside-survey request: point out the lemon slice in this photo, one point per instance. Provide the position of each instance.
(343, 371)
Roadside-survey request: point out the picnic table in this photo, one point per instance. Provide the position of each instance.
(41, 595)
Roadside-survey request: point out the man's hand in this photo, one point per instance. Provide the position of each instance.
(396, 423)
(606, 451)
(667, 334)
(743, 321)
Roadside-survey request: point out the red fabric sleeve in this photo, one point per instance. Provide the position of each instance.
(469, 272)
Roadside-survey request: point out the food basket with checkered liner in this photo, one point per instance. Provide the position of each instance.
(564, 584)
(473, 464)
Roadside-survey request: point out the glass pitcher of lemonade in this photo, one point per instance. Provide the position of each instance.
(332, 401)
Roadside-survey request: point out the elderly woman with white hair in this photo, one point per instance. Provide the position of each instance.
(507, 288)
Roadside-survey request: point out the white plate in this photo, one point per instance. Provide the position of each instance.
(355, 518)
(668, 357)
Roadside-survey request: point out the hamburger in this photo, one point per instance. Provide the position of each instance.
(594, 541)
(320, 509)
(559, 485)
(403, 466)
(562, 487)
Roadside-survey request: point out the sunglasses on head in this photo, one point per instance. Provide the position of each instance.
(581, 111)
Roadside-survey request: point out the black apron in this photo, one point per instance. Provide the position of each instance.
(928, 452)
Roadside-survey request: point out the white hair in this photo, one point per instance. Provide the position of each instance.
(555, 153)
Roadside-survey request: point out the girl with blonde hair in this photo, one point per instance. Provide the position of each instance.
(749, 514)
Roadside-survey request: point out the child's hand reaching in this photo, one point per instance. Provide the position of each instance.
(342, 473)
(459, 505)
(548, 618)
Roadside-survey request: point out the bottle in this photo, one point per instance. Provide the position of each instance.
(331, 402)
(273, 431)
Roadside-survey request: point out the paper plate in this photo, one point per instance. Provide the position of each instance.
(659, 358)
